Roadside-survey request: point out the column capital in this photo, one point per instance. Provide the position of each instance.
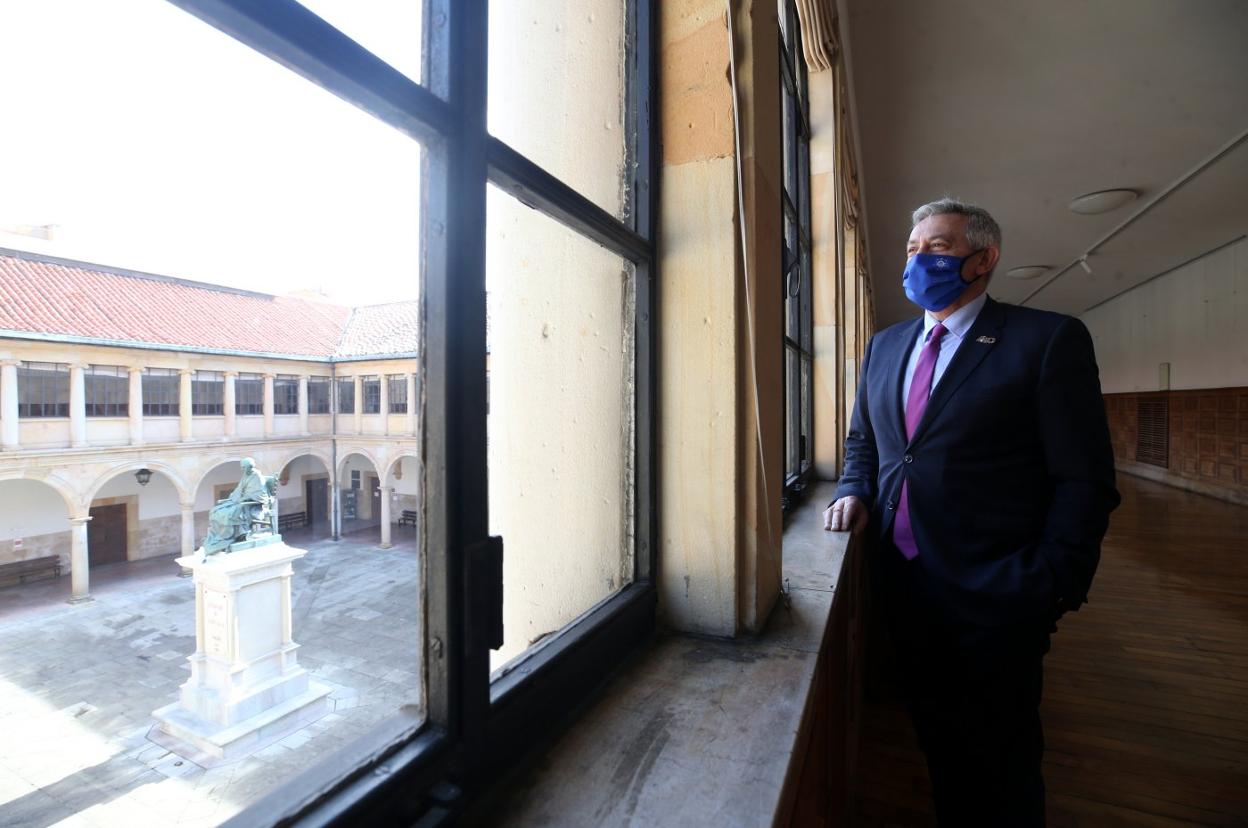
(135, 369)
(185, 372)
(268, 375)
(11, 363)
(230, 374)
(78, 365)
(80, 521)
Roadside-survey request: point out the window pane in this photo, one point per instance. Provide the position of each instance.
(561, 434)
(346, 395)
(276, 229)
(556, 91)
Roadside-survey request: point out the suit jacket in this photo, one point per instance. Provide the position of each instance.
(1010, 470)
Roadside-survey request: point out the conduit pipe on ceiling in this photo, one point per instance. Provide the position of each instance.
(1131, 219)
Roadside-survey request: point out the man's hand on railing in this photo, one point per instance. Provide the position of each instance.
(846, 514)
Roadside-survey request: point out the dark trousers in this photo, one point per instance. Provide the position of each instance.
(974, 697)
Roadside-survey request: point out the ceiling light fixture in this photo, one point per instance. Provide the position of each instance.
(1027, 271)
(1102, 201)
(1083, 262)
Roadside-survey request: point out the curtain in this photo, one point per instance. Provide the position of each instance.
(819, 40)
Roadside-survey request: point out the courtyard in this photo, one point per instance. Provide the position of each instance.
(79, 682)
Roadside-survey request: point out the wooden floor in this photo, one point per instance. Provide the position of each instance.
(1146, 687)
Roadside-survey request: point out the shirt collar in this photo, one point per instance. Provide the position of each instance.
(958, 322)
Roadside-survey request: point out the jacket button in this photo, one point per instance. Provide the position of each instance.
(889, 505)
(909, 458)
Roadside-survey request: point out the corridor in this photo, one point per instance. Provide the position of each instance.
(1145, 711)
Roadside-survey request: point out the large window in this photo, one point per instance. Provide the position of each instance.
(346, 395)
(285, 394)
(397, 392)
(796, 259)
(161, 392)
(249, 394)
(478, 666)
(42, 389)
(107, 390)
(318, 395)
(208, 393)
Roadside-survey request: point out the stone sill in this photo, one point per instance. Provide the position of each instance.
(696, 731)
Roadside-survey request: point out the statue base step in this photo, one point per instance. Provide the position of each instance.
(209, 744)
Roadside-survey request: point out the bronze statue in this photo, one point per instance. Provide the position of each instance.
(250, 510)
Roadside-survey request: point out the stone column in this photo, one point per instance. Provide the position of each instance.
(10, 434)
(77, 405)
(385, 403)
(411, 404)
(303, 405)
(268, 405)
(386, 491)
(136, 406)
(359, 404)
(228, 403)
(185, 432)
(335, 506)
(78, 561)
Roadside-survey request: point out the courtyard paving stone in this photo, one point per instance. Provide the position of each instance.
(78, 684)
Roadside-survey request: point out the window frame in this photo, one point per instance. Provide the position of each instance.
(51, 375)
(201, 381)
(171, 402)
(473, 729)
(796, 260)
(370, 394)
(339, 384)
(285, 394)
(397, 402)
(115, 403)
(320, 402)
(243, 406)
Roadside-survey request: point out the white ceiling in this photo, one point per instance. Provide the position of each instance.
(1020, 106)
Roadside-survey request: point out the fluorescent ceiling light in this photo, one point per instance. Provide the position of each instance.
(1027, 271)
(1102, 202)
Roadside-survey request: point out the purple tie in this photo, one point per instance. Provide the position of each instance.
(920, 390)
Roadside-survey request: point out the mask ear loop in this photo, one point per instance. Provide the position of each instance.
(964, 261)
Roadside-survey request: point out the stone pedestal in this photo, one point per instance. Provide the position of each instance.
(246, 688)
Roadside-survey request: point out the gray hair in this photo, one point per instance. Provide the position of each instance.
(982, 229)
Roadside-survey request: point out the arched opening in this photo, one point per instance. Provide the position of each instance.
(359, 496)
(136, 514)
(35, 543)
(404, 479)
(305, 501)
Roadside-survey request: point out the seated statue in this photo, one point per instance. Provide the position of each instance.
(233, 518)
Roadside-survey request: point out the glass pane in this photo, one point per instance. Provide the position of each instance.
(807, 432)
(792, 424)
(556, 91)
(390, 29)
(281, 226)
(561, 428)
(789, 110)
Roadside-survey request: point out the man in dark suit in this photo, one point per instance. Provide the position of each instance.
(979, 456)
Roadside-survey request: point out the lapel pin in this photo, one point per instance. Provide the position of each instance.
(987, 340)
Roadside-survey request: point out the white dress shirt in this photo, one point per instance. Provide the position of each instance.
(957, 324)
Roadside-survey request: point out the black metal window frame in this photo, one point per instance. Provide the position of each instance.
(286, 394)
(249, 394)
(408, 769)
(161, 392)
(106, 389)
(397, 393)
(42, 390)
(798, 361)
(318, 395)
(345, 389)
(208, 393)
(370, 394)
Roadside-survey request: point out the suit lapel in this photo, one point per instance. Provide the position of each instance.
(970, 354)
(897, 375)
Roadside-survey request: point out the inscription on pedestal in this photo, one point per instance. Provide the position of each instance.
(216, 624)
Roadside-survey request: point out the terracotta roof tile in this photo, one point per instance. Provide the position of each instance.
(43, 295)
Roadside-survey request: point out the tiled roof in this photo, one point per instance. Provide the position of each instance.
(44, 295)
(381, 329)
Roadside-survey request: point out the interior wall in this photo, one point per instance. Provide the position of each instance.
(35, 514)
(1195, 318)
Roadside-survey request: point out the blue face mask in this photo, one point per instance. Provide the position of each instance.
(934, 281)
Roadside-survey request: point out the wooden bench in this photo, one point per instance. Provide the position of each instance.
(31, 569)
(409, 518)
(292, 520)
